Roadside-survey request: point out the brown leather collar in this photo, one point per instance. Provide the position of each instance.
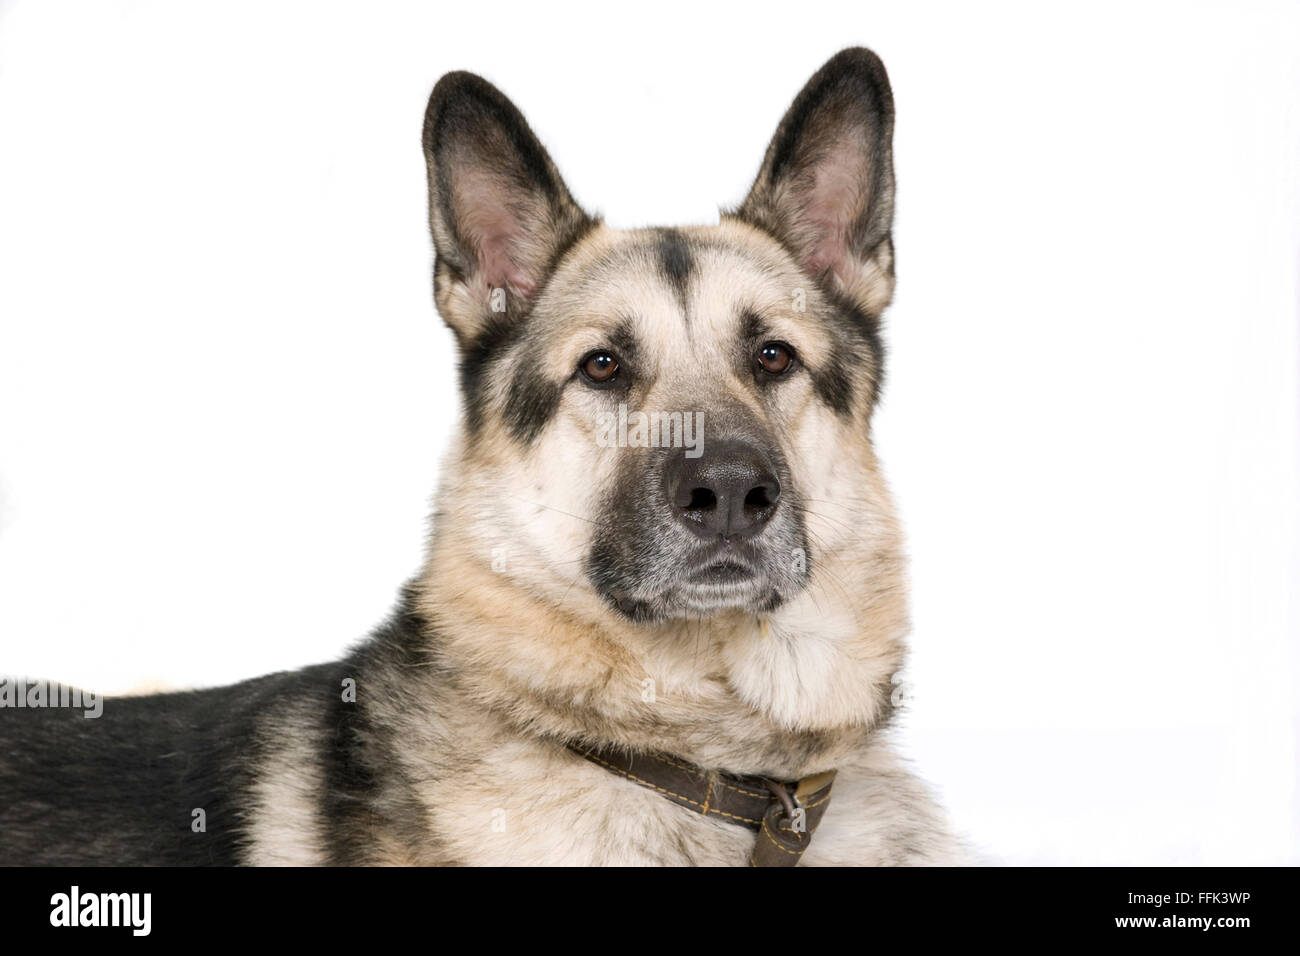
(784, 814)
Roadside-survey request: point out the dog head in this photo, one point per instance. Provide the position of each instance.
(672, 422)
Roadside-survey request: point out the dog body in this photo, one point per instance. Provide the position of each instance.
(662, 528)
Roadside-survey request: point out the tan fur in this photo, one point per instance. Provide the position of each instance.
(521, 652)
(538, 653)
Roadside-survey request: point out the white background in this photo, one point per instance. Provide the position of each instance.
(224, 391)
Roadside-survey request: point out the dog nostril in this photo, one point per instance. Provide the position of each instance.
(702, 499)
(762, 496)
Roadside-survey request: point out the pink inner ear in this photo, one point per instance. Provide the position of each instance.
(833, 203)
(494, 232)
(497, 267)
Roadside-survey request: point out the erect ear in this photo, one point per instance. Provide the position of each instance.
(826, 187)
(499, 212)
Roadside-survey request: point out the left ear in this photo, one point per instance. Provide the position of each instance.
(826, 187)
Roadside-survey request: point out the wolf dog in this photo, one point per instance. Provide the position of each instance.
(664, 591)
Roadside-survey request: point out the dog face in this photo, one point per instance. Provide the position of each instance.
(674, 422)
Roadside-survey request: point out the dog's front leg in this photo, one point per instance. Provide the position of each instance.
(881, 814)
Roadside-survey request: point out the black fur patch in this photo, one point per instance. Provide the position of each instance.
(752, 328)
(362, 774)
(531, 403)
(349, 782)
(531, 399)
(857, 330)
(676, 262)
(623, 341)
(122, 788)
(834, 387)
(475, 359)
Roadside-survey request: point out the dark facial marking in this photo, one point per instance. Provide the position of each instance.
(532, 398)
(531, 403)
(859, 334)
(623, 341)
(833, 386)
(675, 262)
(475, 360)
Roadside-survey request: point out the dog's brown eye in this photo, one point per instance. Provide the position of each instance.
(600, 367)
(775, 357)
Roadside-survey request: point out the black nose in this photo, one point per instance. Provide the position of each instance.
(729, 491)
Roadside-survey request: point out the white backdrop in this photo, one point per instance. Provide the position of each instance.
(224, 391)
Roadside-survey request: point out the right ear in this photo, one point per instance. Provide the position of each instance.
(500, 214)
